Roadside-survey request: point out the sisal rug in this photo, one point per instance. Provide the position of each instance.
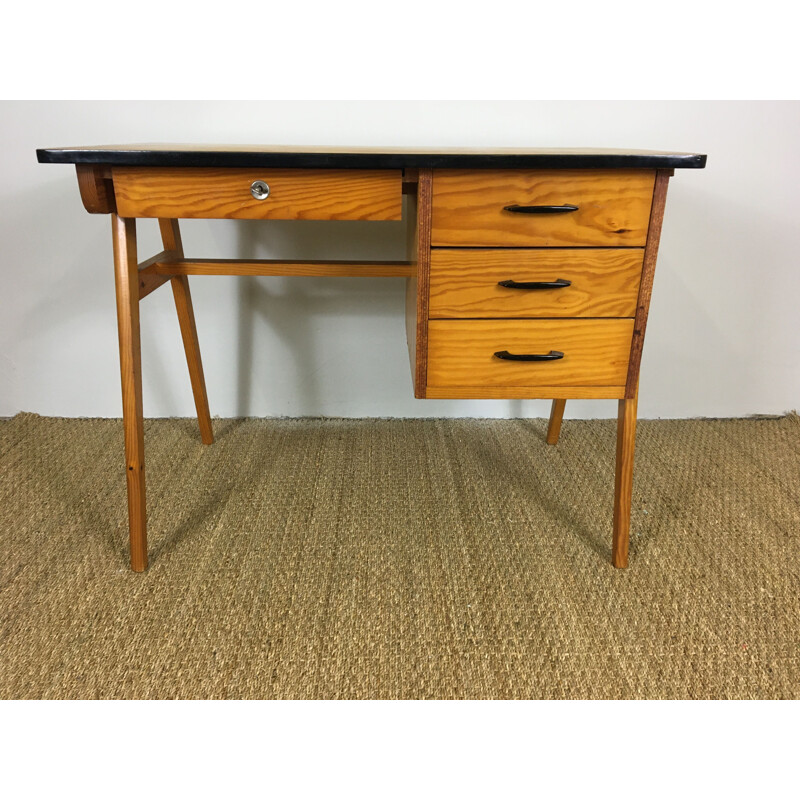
(378, 559)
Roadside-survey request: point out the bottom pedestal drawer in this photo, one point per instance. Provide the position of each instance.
(594, 352)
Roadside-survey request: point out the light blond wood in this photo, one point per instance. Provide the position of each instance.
(526, 392)
(97, 192)
(171, 237)
(204, 193)
(418, 292)
(648, 274)
(320, 269)
(623, 481)
(554, 425)
(614, 207)
(604, 282)
(130, 359)
(461, 352)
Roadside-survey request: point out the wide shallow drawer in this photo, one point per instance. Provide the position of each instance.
(574, 282)
(188, 193)
(462, 352)
(470, 207)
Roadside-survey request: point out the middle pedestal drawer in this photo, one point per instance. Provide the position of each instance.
(546, 282)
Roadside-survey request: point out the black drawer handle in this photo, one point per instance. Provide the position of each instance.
(560, 283)
(565, 209)
(553, 355)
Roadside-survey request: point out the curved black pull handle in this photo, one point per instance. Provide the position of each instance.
(553, 355)
(560, 283)
(565, 209)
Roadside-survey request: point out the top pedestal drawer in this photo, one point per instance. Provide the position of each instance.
(606, 208)
(205, 193)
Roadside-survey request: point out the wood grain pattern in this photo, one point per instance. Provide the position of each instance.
(648, 274)
(525, 392)
(623, 481)
(605, 282)
(613, 207)
(149, 278)
(554, 424)
(461, 352)
(320, 269)
(420, 286)
(97, 192)
(295, 194)
(412, 247)
(130, 361)
(173, 244)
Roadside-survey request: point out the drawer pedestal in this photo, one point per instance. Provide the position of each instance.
(536, 284)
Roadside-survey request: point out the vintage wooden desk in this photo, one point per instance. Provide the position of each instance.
(529, 272)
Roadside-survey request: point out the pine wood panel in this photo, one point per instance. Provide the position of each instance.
(205, 193)
(604, 282)
(525, 392)
(613, 207)
(461, 352)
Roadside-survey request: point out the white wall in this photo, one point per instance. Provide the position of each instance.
(723, 333)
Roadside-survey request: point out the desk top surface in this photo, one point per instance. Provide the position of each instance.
(313, 157)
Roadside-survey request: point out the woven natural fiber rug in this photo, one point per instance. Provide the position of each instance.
(400, 559)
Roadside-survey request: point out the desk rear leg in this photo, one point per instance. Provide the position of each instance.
(623, 484)
(130, 363)
(554, 426)
(171, 236)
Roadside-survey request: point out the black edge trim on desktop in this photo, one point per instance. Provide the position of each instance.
(182, 158)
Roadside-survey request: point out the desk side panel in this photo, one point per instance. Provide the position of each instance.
(418, 288)
(646, 283)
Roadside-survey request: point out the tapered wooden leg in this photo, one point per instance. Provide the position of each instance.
(130, 361)
(183, 304)
(556, 415)
(623, 485)
(171, 236)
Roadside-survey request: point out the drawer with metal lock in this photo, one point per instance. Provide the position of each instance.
(288, 194)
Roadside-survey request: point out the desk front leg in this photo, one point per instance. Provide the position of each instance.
(130, 362)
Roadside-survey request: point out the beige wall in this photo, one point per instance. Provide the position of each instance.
(723, 334)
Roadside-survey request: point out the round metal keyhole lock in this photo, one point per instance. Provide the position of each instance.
(259, 190)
